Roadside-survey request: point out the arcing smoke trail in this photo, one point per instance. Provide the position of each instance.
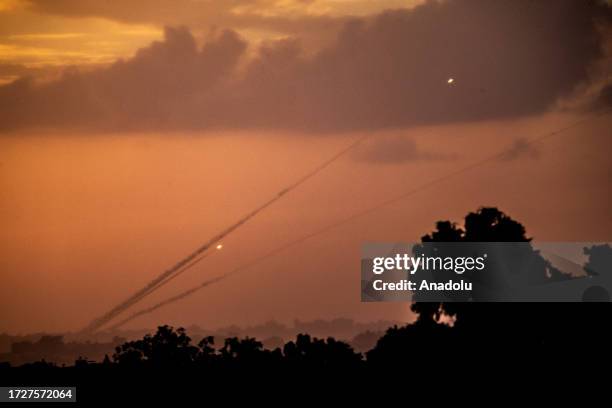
(362, 213)
(166, 275)
(170, 278)
(166, 302)
(208, 282)
(151, 286)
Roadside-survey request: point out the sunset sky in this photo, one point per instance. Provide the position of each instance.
(131, 132)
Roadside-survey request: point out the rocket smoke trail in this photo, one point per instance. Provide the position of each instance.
(151, 286)
(217, 279)
(166, 302)
(356, 215)
(166, 275)
(170, 278)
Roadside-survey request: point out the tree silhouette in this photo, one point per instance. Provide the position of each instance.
(166, 348)
(485, 225)
(496, 326)
(600, 259)
(172, 348)
(307, 352)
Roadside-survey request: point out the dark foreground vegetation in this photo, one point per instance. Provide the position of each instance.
(480, 336)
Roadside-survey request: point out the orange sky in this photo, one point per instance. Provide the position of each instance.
(90, 214)
(38, 37)
(81, 234)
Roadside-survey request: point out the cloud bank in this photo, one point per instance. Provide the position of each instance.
(507, 58)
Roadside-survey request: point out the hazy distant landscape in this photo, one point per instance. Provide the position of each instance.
(65, 348)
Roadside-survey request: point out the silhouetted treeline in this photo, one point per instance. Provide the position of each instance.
(453, 335)
(65, 348)
(174, 348)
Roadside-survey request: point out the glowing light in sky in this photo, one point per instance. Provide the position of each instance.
(450, 80)
(219, 246)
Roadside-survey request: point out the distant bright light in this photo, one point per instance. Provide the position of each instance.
(450, 80)
(219, 246)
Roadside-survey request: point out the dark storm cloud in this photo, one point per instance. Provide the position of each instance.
(507, 58)
(168, 84)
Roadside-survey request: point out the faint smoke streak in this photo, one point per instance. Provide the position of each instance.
(167, 302)
(152, 285)
(489, 159)
(184, 263)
